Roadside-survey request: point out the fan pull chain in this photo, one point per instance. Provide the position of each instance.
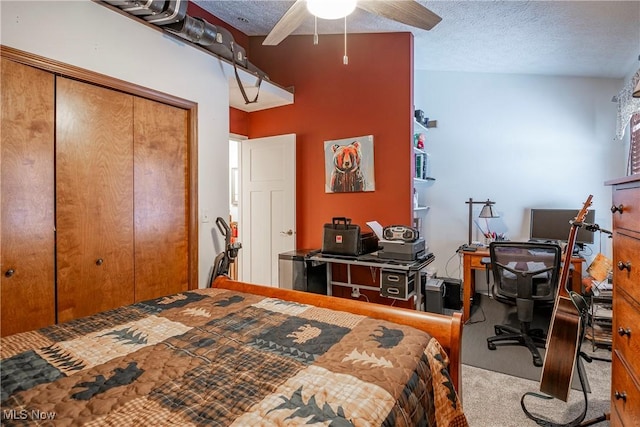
(345, 58)
(315, 30)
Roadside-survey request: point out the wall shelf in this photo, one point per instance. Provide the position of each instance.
(270, 94)
(419, 127)
(422, 127)
(421, 159)
(422, 169)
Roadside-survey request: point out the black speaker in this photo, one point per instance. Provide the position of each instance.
(452, 293)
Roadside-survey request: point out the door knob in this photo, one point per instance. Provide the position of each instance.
(9, 272)
(287, 233)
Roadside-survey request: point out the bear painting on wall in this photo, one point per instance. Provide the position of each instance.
(349, 165)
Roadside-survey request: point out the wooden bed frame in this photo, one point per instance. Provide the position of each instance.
(447, 330)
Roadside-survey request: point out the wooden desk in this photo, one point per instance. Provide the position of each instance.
(473, 261)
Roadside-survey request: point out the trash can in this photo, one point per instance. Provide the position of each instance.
(296, 271)
(434, 296)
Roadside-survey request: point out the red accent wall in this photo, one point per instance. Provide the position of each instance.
(238, 121)
(373, 94)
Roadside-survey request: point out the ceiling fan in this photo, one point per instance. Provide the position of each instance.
(408, 12)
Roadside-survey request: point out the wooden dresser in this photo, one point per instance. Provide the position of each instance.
(625, 370)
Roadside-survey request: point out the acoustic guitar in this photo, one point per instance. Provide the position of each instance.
(564, 331)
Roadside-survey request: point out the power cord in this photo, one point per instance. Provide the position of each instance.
(446, 267)
(584, 253)
(484, 317)
(356, 294)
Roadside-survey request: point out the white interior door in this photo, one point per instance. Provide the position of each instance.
(267, 206)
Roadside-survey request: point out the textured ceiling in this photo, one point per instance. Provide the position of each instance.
(571, 38)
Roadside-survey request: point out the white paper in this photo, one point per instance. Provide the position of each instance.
(377, 228)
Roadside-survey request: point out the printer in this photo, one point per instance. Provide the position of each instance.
(401, 250)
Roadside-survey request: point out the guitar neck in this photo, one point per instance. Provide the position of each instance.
(566, 265)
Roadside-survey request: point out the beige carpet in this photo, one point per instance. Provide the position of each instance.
(492, 398)
(513, 360)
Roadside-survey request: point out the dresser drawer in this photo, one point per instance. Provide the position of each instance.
(625, 396)
(476, 262)
(629, 198)
(626, 267)
(626, 319)
(615, 420)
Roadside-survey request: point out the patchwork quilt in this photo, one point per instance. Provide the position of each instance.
(216, 357)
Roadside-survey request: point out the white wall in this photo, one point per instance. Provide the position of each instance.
(234, 162)
(93, 37)
(523, 141)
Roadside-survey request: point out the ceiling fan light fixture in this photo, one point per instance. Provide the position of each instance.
(331, 9)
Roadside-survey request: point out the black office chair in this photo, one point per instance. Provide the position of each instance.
(526, 275)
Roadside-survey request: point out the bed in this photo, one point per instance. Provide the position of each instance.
(237, 354)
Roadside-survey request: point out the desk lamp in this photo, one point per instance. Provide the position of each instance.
(486, 212)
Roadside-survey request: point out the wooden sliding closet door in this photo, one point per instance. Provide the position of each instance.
(94, 198)
(26, 187)
(161, 199)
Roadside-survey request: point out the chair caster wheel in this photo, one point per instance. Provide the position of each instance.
(491, 346)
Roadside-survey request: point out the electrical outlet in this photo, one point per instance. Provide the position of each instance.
(355, 293)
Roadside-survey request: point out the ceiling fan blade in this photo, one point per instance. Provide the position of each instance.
(287, 24)
(408, 12)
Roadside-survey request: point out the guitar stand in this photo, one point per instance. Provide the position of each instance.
(578, 421)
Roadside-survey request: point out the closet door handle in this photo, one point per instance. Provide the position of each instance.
(99, 262)
(9, 272)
